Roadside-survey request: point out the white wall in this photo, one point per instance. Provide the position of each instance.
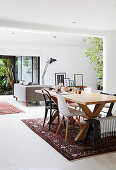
(69, 59)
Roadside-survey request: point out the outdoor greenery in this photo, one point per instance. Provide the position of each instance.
(26, 64)
(6, 75)
(95, 55)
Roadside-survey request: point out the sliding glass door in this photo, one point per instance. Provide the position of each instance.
(36, 69)
(27, 68)
(6, 74)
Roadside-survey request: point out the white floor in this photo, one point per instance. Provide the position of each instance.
(22, 149)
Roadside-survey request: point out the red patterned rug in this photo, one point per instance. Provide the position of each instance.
(7, 108)
(70, 150)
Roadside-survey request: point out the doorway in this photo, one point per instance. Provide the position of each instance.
(7, 66)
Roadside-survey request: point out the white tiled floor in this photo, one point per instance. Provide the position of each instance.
(22, 149)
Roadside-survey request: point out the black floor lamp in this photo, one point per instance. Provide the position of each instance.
(50, 61)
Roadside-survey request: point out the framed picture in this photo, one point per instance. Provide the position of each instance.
(59, 78)
(71, 83)
(66, 82)
(78, 79)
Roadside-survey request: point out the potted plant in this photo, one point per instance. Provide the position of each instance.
(99, 85)
(95, 55)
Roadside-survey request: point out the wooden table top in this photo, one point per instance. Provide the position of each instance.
(86, 98)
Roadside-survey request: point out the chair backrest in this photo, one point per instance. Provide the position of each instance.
(88, 89)
(47, 97)
(109, 107)
(63, 108)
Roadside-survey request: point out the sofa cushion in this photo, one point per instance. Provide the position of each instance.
(21, 82)
(27, 83)
(27, 93)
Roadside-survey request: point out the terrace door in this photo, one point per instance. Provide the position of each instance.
(27, 68)
(7, 77)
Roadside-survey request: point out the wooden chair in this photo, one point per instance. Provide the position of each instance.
(49, 106)
(67, 113)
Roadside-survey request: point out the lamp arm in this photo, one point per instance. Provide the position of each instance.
(44, 72)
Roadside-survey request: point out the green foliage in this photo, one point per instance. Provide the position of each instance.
(26, 62)
(3, 65)
(95, 54)
(6, 73)
(6, 68)
(4, 83)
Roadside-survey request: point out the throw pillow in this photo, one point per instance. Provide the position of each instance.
(21, 82)
(27, 83)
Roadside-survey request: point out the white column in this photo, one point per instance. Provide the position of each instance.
(109, 64)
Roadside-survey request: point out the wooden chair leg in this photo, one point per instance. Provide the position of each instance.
(16, 98)
(26, 103)
(64, 122)
(66, 129)
(58, 116)
(60, 125)
(74, 125)
(73, 122)
(78, 121)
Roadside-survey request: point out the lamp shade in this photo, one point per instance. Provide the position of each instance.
(52, 60)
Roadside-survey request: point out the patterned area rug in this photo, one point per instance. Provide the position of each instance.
(7, 108)
(70, 150)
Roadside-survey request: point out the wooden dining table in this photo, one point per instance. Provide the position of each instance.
(84, 100)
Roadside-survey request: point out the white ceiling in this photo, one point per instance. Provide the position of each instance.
(20, 37)
(55, 17)
(88, 14)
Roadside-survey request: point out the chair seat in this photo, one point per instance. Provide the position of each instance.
(75, 112)
(48, 102)
(67, 113)
(73, 105)
(54, 106)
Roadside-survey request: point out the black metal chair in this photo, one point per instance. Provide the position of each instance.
(49, 106)
(94, 123)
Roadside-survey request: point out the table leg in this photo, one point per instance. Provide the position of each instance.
(90, 115)
(82, 132)
(97, 109)
(55, 112)
(55, 115)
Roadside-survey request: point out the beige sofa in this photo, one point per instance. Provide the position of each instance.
(27, 93)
